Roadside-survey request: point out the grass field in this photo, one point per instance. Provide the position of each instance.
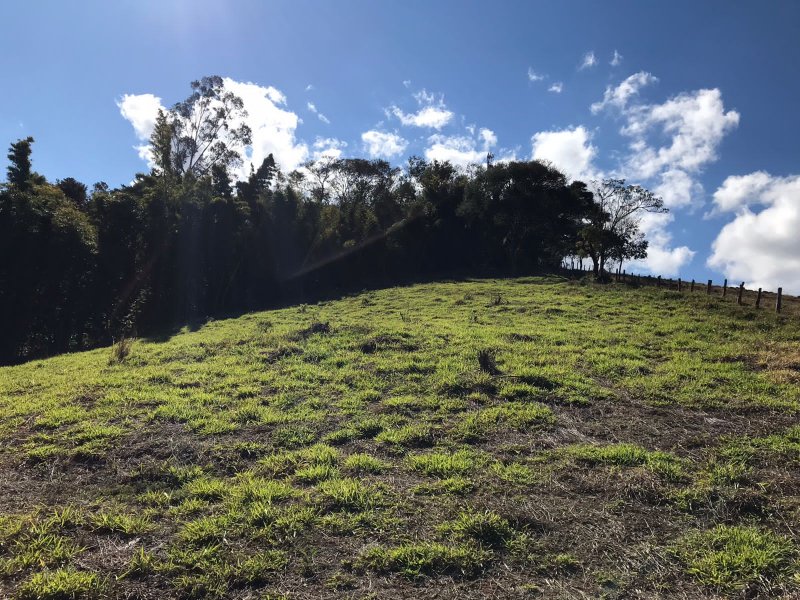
(521, 438)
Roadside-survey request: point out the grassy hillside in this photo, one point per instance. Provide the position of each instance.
(495, 438)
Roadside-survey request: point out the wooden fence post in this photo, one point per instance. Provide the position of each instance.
(708, 289)
(691, 289)
(739, 297)
(758, 299)
(679, 284)
(724, 288)
(778, 300)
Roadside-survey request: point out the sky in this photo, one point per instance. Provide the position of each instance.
(697, 101)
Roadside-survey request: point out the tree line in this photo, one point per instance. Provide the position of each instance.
(82, 267)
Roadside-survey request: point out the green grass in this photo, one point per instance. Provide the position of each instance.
(443, 464)
(250, 456)
(486, 528)
(426, 558)
(60, 584)
(731, 558)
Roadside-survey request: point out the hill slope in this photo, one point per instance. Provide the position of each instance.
(493, 438)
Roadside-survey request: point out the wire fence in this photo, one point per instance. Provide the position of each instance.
(760, 299)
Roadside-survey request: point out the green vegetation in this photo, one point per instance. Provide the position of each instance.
(730, 558)
(61, 584)
(261, 455)
(425, 558)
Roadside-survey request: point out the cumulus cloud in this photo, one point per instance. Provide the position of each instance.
(618, 96)
(381, 144)
(462, 150)
(273, 127)
(678, 189)
(140, 110)
(327, 148)
(661, 257)
(616, 60)
(760, 247)
(589, 61)
(693, 125)
(434, 117)
(556, 87)
(433, 112)
(695, 122)
(313, 108)
(570, 150)
(670, 145)
(272, 124)
(738, 191)
(534, 76)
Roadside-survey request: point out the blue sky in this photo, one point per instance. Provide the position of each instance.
(701, 104)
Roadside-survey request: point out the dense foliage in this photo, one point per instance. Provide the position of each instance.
(183, 242)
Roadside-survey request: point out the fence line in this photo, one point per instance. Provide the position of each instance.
(622, 276)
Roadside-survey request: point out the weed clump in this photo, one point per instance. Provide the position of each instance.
(487, 361)
(730, 558)
(348, 494)
(60, 584)
(443, 464)
(120, 350)
(316, 328)
(426, 558)
(487, 528)
(365, 463)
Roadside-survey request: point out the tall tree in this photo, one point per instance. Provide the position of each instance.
(74, 190)
(612, 227)
(19, 171)
(208, 128)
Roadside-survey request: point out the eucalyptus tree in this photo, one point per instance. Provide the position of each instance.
(205, 130)
(612, 229)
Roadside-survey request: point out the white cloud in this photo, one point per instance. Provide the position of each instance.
(426, 98)
(696, 122)
(738, 191)
(407, 83)
(589, 61)
(616, 60)
(618, 97)
(570, 150)
(141, 110)
(273, 127)
(760, 248)
(534, 76)
(489, 138)
(462, 150)
(309, 87)
(670, 144)
(433, 112)
(679, 189)
(661, 258)
(381, 144)
(556, 88)
(327, 148)
(429, 116)
(313, 108)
